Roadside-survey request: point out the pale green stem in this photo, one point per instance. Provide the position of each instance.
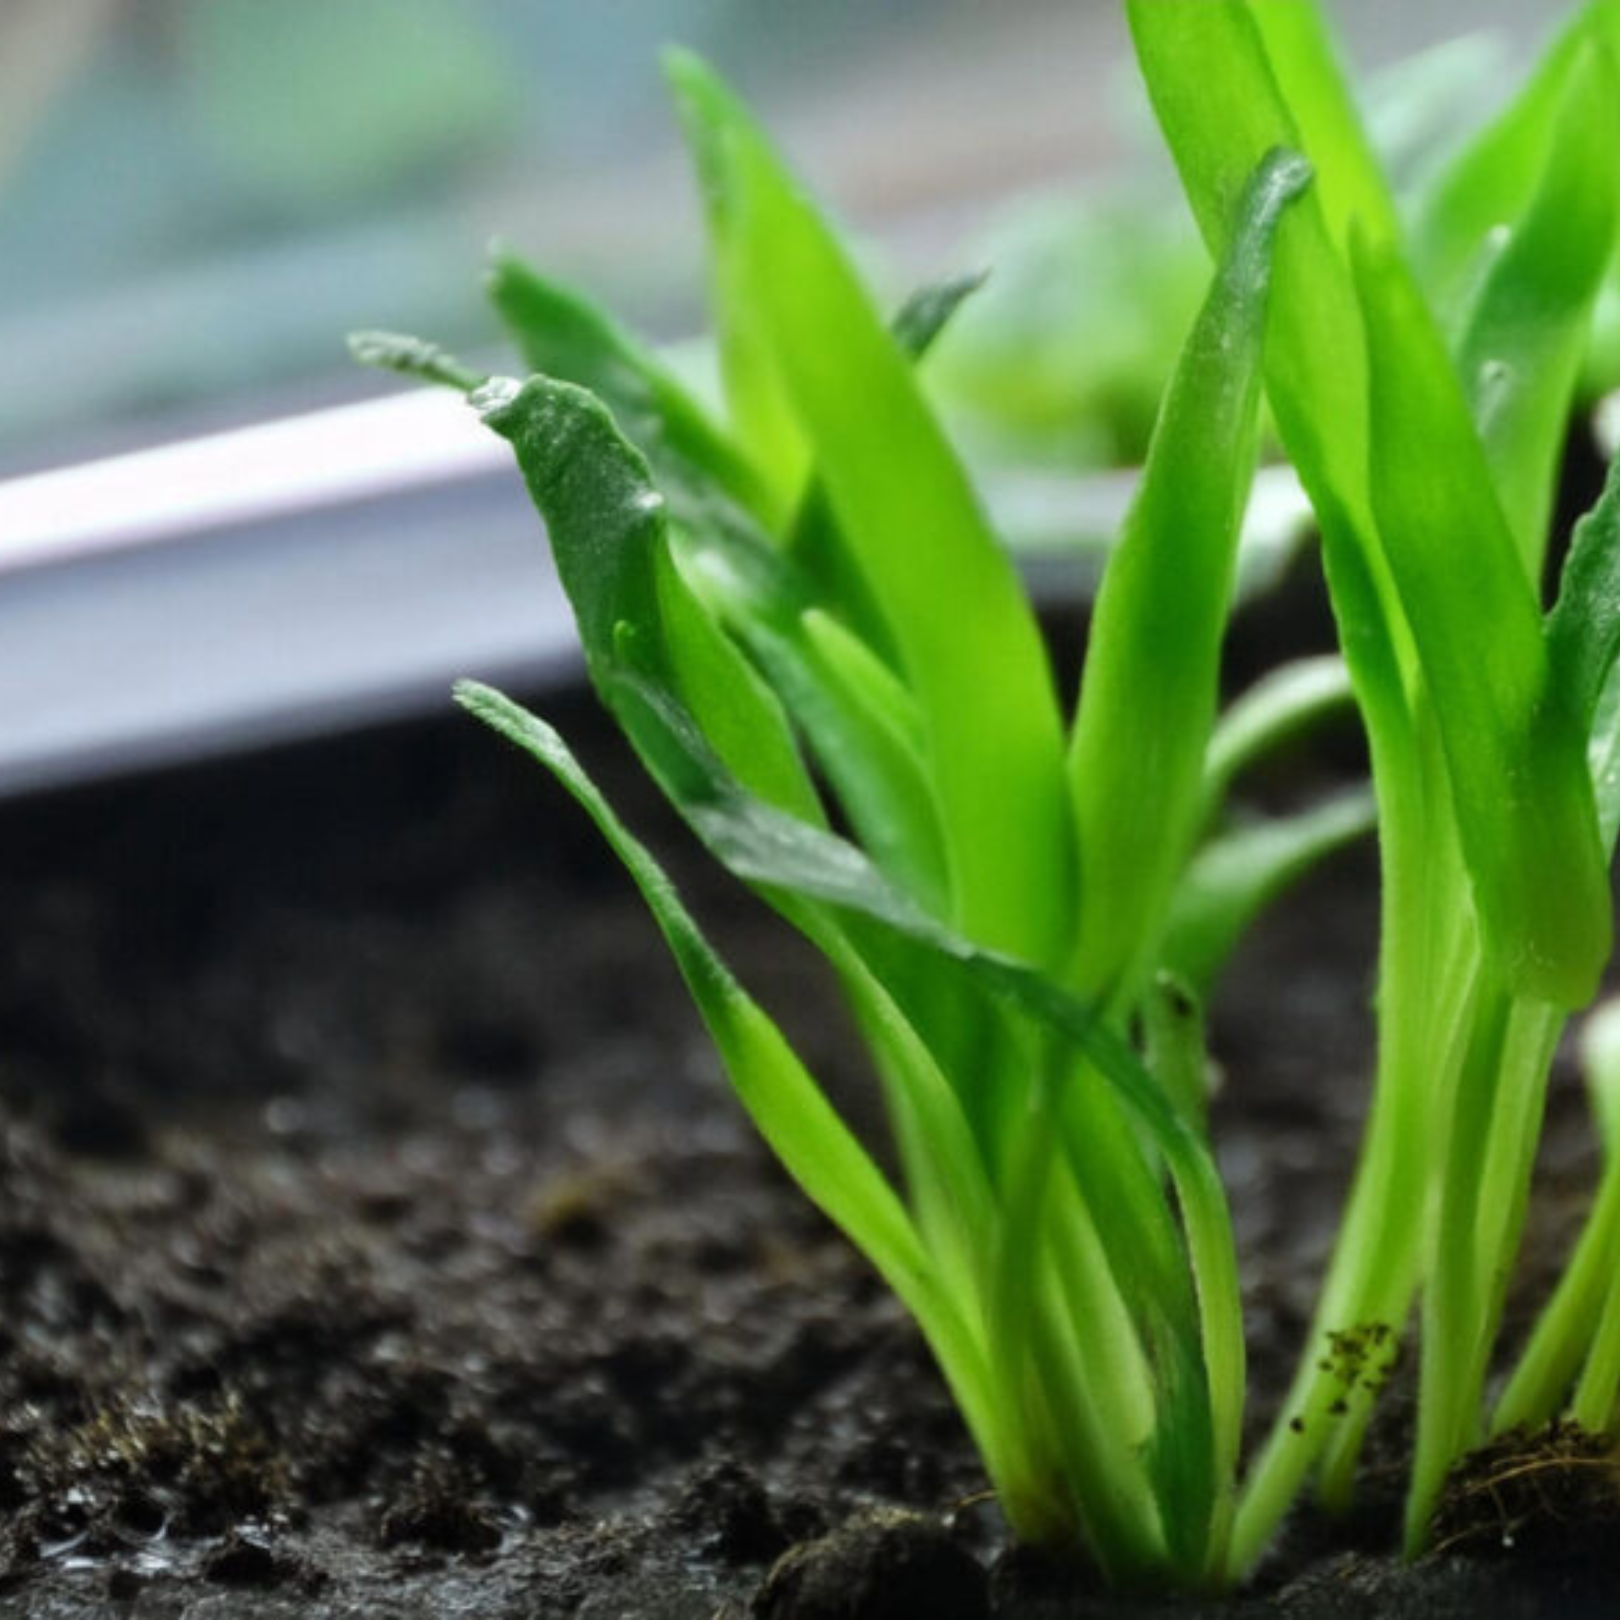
(1594, 1404)
(1563, 1331)
(1373, 1273)
(1487, 1172)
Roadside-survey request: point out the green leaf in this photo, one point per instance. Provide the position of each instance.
(815, 541)
(1526, 337)
(760, 403)
(1175, 1047)
(609, 535)
(564, 334)
(1152, 668)
(1318, 94)
(1383, 443)
(413, 357)
(786, 1105)
(968, 645)
(1515, 755)
(1454, 234)
(1219, 126)
(1282, 705)
(928, 311)
(860, 723)
(1242, 870)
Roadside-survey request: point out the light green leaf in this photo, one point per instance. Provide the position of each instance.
(763, 415)
(1242, 870)
(1148, 695)
(815, 541)
(1527, 334)
(968, 645)
(859, 722)
(785, 1103)
(1282, 705)
(1454, 234)
(1318, 93)
(1515, 755)
(1219, 126)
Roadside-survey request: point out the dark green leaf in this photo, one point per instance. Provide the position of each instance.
(608, 532)
(562, 333)
(1583, 628)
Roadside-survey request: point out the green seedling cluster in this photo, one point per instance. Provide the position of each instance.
(799, 615)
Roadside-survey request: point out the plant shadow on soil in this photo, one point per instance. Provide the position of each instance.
(377, 1235)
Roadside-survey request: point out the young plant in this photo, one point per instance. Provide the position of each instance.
(1421, 381)
(800, 616)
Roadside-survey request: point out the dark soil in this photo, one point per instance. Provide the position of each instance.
(377, 1236)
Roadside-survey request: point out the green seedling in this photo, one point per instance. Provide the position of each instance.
(802, 620)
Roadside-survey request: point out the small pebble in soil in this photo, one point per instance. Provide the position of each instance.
(246, 1556)
(123, 1585)
(873, 1569)
(726, 1505)
(438, 1510)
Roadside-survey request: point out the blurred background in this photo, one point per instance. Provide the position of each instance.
(199, 198)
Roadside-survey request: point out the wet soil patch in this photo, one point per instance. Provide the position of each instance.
(377, 1235)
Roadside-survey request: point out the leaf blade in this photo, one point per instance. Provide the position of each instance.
(1515, 757)
(1152, 665)
(608, 530)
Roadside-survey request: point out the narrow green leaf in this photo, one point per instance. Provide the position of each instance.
(785, 1103)
(413, 357)
(1527, 335)
(859, 722)
(1318, 93)
(1174, 1044)
(760, 403)
(969, 648)
(928, 311)
(946, 1178)
(1153, 664)
(815, 541)
(1218, 127)
(1282, 705)
(1454, 234)
(1242, 870)
(564, 334)
(1514, 753)
(1092, 1385)
(1564, 1330)
(608, 531)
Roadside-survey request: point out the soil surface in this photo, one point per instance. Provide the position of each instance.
(378, 1237)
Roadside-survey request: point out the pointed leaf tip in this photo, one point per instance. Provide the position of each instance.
(412, 357)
